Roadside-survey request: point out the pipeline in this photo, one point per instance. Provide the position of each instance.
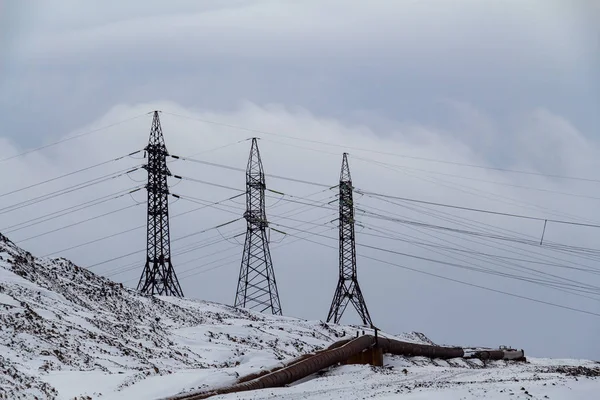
(339, 352)
(508, 354)
(264, 372)
(400, 348)
(291, 373)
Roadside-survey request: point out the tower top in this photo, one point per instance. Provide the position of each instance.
(156, 134)
(255, 166)
(345, 174)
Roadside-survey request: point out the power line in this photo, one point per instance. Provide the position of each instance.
(243, 170)
(140, 226)
(548, 245)
(580, 286)
(337, 145)
(480, 234)
(67, 190)
(207, 183)
(142, 250)
(403, 167)
(71, 138)
(493, 259)
(491, 196)
(479, 210)
(136, 264)
(464, 283)
(484, 287)
(68, 210)
(465, 249)
(196, 247)
(69, 174)
(236, 256)
(79, 222)
(511, 248)
(231, 257)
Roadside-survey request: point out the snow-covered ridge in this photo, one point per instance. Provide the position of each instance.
(56, 316)
(67, 333)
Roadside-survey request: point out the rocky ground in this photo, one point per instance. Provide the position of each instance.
(67, 333)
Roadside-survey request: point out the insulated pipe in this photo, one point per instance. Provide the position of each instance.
(341, 351)
(408, 349)
(294, 372)
(291, 362)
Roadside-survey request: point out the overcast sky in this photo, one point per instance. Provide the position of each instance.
(504, 84)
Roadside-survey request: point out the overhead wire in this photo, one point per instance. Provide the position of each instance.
(463, 249)
(237, 256)
(576, 251)
(68, 174)
(362, 149)
(466, 283)
(492, 259)
(289, 213)
(87, 133)
(142, 250)
(79, 222)
(212, 164)
(544, 190)
(465, 232)
(490, 196)
(139, 227)
(473, 209)
(551, 246)
(67, 190)
(68, 210)
(503, 246)
(580, 285)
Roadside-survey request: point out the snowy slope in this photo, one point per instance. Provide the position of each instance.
(66, 333)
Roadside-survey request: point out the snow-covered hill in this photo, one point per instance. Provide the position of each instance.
(66, 333)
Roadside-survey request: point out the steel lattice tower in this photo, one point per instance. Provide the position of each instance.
(159, 276)
(257, 288)
(347, 289)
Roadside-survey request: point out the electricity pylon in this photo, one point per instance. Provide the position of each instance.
(158, 277)
(256, 288)
(348, 290)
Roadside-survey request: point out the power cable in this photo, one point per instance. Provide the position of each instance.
(493, 260)
(68, 210)
(139, 227)
(479, 210)
(78, 223)
(548, 244)
(587, 254)
(68, 174)
(243, 170)
(67, 190)
(462, 231)
(71, 138)
(237, 256)
(142, 250)
(492, 196)
(337, 145)
(544, 190)
(569, 264)
(465, 283)
(582, 286)
(386, 235)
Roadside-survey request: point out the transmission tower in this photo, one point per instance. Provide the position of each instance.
(159, 276)
(348, 290)
(257, 288)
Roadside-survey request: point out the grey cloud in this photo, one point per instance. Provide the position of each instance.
(510, 85)
(399, 299)
(345, 59)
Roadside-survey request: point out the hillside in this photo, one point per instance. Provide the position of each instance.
(67, 333)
